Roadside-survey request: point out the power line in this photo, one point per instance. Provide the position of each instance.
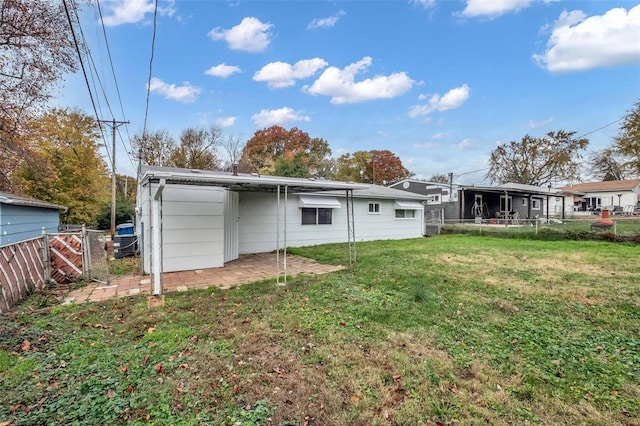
(153, 44)
(84, 71)
(600, 128)
(106, 42)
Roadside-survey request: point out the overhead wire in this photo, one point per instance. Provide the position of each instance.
(153, 44)
(84, 71)
(579, 137)
(124, 118)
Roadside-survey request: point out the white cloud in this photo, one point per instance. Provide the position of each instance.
(266, 118)
(578, 43)
(535, 124)
(281, 74)
(225, 121)
(185, 93)
(131, 11)
(223, 70)
(250, 35)
(493, 8)
(340, 85)
(439, 135)
(464, 144)
(427, 4)
(326, 22)
(454, 98)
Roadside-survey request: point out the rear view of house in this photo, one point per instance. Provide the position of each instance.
(193, 219)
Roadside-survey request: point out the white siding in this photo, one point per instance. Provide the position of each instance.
(192, 228)
(257, 224)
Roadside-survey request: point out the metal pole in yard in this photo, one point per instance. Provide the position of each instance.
(278, 236)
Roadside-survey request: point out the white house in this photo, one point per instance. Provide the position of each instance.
(195, 219)
(617, 195)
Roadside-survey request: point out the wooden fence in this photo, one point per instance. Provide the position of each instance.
(22, 271)
(29, 265)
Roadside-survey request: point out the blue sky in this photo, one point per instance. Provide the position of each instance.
(440, 83)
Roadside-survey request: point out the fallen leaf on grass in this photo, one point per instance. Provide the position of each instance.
(184, 366)
(145, 360)
(151, 330)
(124, 369)
(7, 423)
(130, 388)
(355, 398)
(25, 346)
(109, 393)
(15, 407)
(397, 377)
(614, 392)
(159, 368)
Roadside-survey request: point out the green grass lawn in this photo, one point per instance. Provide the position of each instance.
(447, 330)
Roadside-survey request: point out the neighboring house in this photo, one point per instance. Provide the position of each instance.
(616, 195)
(442, 198)
(22, 218)
(194, 219)
(481, 203)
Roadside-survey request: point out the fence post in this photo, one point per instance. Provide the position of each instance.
(86, 258)
(536, 222)
(615, 227)
(45, 256)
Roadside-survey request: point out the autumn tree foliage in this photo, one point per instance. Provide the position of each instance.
(608, 164)
(538, 161)
(197, 149)
(381, 167)
(154, 148)
(36, 50)
(272, 149)
(627, 142)
(65, 166)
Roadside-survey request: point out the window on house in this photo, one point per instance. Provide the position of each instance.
(524, 202)
(433, 199)
(504, 205)
(316, 216)
(405, 214)
(535, 204)
(374, 208)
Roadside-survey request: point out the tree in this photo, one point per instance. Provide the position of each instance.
(537, 161)
(628, 141)
(66, 167)
(36, 50)
(154, 148)
(232, 151)
(295, 166)
(439, 178)
(380, 167)
(608, 164)
(197, 149)
(267, 146)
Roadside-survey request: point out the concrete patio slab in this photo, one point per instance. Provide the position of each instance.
(246, 269)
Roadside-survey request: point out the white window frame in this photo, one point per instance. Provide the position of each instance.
(374, 207)
(536, 204)
(405, 214)
(317, 215)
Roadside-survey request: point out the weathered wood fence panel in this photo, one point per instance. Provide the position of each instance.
(66, 257)
(22, 271)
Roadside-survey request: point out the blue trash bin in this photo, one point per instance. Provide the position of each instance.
(124, 229)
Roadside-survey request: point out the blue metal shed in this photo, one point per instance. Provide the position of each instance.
(22, 218)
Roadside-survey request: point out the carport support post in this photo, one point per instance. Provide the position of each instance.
(157, 238)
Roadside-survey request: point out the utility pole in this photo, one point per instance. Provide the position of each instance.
(114, 125)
